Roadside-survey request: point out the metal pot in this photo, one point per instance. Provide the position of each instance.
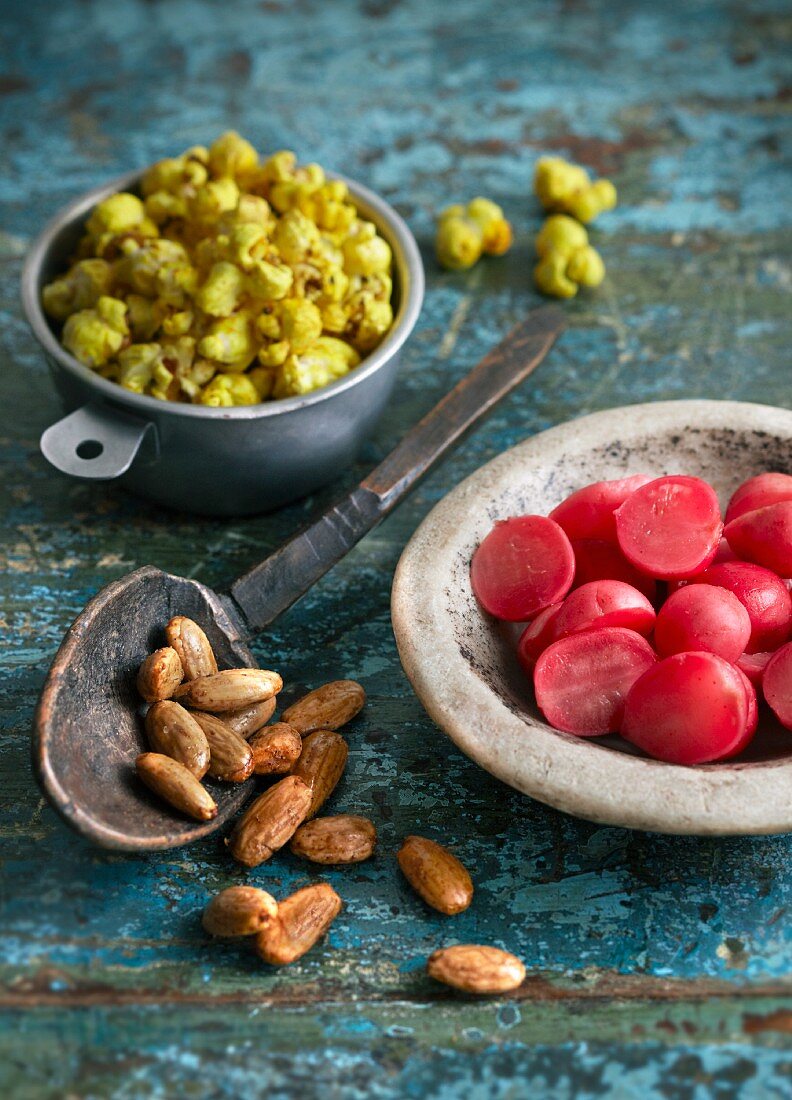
(217, 461)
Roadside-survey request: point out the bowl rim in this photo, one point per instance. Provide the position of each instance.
(407, 263)
(621, 789)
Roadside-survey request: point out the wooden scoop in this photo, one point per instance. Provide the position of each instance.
(88, 727)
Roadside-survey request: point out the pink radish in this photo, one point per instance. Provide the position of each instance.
(751, 722)
(588, 513)
(670, 528)
(753, 665)
(763, 595)
(690, 708)
(724, 553)
(581, 681)
(777, 685)
(758, 492)
(536, 637)
(523, 565)
(604, 603)
(599, 560)
(700, 617)
(765, 537)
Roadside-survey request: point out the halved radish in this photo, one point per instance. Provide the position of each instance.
(581, 681)
(600, 560)
(588, 513)
(758, 492)
(751, 722)
(763, 595)
(536, 637)
(777, 685)
(765, 537)
(604, 603)
(701, 617)
(753, 666)
(670, 528)
(691, 708)
(523, 565)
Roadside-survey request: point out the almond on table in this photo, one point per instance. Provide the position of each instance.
(321, 765)
(270, 821)
(231, 689)
(275, 748)
(336, 840)
(248, 720)
(302, 920)
(239, 911)
(474, 968)
(326, 708)
(435, 874)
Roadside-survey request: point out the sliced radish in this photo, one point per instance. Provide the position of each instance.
(604, 603)
(777, 685)
(588, 513)
(751, 722)
(753, 666)
(758, 492)
(765, 537)
(763, 595)
(687, 709)
(600, 560)
(701, 617)
(536, 637)
(670, 528)
(522, 566)
(581, 681)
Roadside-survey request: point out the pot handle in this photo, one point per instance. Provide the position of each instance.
(97, 442)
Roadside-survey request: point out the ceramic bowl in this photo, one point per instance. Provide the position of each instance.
(462, 664)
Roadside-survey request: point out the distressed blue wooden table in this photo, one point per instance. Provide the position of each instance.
(657, 966)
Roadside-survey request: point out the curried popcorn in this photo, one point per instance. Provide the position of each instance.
(465, 232)
(229, 280)
(567, 188)
(566, 259)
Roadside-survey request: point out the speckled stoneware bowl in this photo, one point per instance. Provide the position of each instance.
(462, 664)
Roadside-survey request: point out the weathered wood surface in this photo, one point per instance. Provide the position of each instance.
(657, 966)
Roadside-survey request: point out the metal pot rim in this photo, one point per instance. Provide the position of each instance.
(407, 263)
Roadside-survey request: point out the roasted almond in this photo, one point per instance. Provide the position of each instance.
(239, 911)
(193, 647)
(270, 821)
(326, 708)
(340, 839)
(230, 757)
(173, 782)
(321, 764)
(302, 919)
(435, 874)
(275, 748)
(246, 721)
(160, 675)
(476, 969)
(231, 689)
(173, 731)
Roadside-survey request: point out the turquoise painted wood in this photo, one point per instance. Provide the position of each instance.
(657, 966)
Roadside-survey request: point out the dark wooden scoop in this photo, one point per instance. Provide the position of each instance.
(88, 727)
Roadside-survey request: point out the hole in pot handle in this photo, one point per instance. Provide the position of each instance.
(97, 442)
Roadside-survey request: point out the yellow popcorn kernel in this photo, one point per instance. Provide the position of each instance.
(550, 275)
(222, 290)
(95, 335)
(79, 288)
(144, 317)
(139, 270)
(268, 323)
(375, 321)
(270, 282)
(327, 360)
(178, 323)
(585, 267)
(214, 199)
(256, 210)
(561, 234)
(280, 166)
(231, 155)
(117, 214)
(301, 323)
(229, 342)
(496, 232)
(275, 354)
(264, 380)
(295, 236)
(227, 390)
(458, 243)
(366, 253)
(162, 205)
(588, 204)
(175, 283)
(136, 366)
(568, 188)
(193, 377)
(334, 318)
